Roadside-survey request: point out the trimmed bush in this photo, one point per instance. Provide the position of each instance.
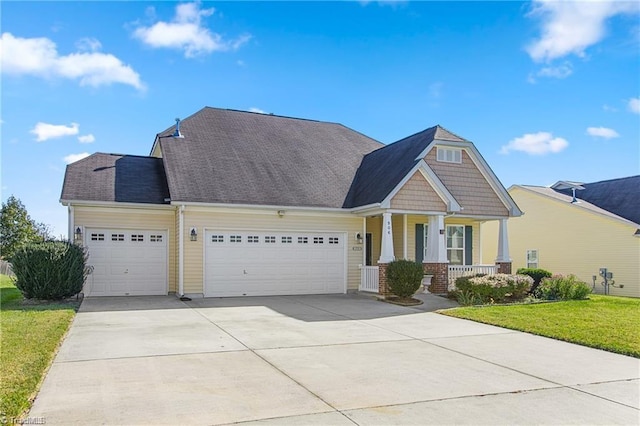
(560, 287)
(52, 270)
(537, 274)
(404, 277)
(492, 288)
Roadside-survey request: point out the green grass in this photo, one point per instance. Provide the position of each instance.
(31, 334)
(603, 322)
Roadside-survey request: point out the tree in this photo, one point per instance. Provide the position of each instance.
(17, 228)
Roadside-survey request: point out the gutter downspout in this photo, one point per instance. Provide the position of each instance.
(70, 231)
(181, 253)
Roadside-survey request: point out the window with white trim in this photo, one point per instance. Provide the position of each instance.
(235, 238)
(217, 239)
(532, 258)
(155, 238)
(303, 240)
(253, 239)
(97, 237)
(318, 240)
(449, 155)
(117, 237)
(334, 240)
(137, 238)
(455, 244)
(287, 240)
(270, 239)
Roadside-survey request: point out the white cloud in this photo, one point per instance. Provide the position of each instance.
(602, 132)
(570, 27)
(72, 158)
(187, 32)
(46, 131)
(88, 44)
(535, 144)
(560, 71)
(87, 138)
(39, 57)
(609, 108)
(634, 105)
(257, 110)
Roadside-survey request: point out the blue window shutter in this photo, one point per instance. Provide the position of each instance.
(468, 245)
(419, 242)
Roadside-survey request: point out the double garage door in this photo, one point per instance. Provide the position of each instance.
(250, 263)
(126, 262)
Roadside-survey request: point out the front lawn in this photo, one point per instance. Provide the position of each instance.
(603, 322)
(30, 337)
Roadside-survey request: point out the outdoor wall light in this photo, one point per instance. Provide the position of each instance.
(281, 213)
(359, 238)
(77, 234)
(193, 234)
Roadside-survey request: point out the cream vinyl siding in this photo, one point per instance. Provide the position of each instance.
(133, 218)
(569, 240)
(221, 219)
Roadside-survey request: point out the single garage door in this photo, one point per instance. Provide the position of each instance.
(249, 263)
(126, 262)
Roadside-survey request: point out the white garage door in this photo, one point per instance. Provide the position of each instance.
(249, 263)
(126, 262)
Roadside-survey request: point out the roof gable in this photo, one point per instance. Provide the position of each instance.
(618, 196)
(117, 178)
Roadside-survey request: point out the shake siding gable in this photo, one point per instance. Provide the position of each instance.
(468, 186)
(417, 194)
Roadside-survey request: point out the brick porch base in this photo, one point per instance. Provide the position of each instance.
(440, 280)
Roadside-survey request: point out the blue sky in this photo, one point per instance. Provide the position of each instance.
(547, 91)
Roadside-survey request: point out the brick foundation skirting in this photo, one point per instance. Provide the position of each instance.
(383, 288)
(440, 280)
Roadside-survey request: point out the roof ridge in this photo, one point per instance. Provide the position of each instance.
(450, 132)
(613, 179)
(270, 114)
(400, 140)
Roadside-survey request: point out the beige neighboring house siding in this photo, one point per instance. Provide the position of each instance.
(212, 219)
(417, 194)
(134, 218)
(468, 186)
(570, 240)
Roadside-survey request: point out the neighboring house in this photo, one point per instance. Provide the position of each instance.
(233, 203)
(598, 228)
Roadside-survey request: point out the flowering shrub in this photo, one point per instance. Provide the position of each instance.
(492, 288)
(537, 274)
(559, 287)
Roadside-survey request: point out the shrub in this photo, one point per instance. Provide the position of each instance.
(560, 287)
(51, 270)
(492, 288)
(404, 277)
(537, 274)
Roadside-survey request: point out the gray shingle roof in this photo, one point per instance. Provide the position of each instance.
(237, 157)
(618, 196)
(114, 177)
(382, 170)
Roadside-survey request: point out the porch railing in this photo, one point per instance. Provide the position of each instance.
(369, 279)
(457, 271)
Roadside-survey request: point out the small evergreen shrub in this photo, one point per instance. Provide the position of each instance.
(492, 288)
(51, 270)
(560, 287)
(404, 277)
(537, 274)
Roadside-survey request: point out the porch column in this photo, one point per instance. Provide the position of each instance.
(435, 261)
(503, 260)
(386, 254)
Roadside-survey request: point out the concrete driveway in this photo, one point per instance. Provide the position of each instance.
(323, 360)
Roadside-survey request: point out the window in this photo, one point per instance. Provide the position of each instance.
(455, 244)
(287, 240)
(318, 240)
(449, 155)
(253, 239)
(235, 238)
(137, 238)
(269, 239)
(97, 237)
(117, 237)
(334, 240)
(532, 258)
(303, 240)
(155, 238)
(217, 239)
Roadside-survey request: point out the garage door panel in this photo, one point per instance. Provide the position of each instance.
(273, 263)
(127, 262)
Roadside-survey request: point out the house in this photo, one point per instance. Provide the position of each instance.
(577, 228)
(233, 203)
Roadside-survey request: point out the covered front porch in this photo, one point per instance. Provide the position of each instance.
(448, 246)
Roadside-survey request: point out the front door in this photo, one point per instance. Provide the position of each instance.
(368, 249)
